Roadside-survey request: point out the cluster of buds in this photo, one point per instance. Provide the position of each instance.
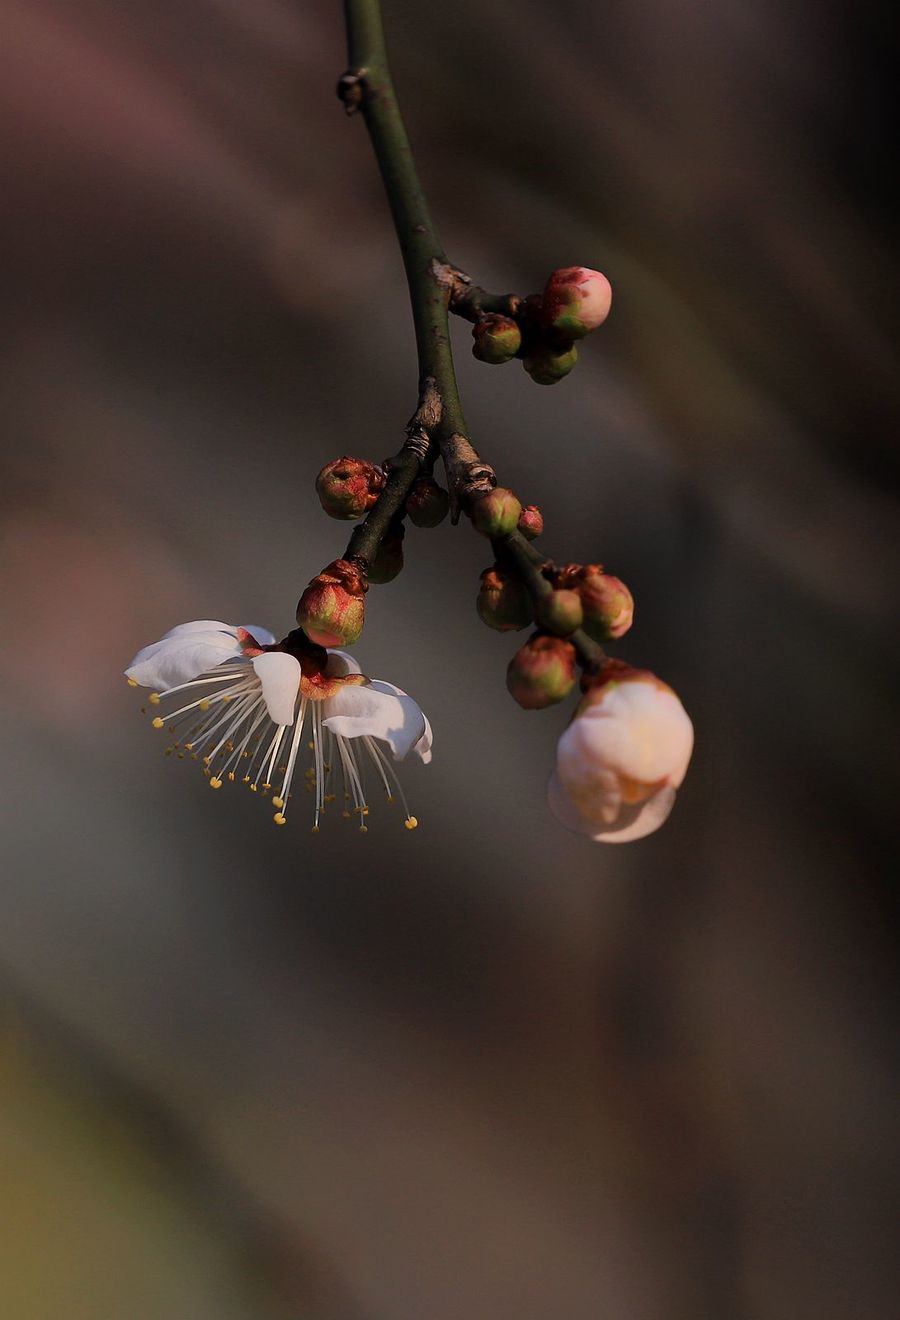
(543, 328)
(627, 747)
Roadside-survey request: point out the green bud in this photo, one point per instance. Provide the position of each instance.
(503, 601)
(560, 612)
(497, 338)
(546, 365)
(497, 513)
(541, 672)
(388, 559)
(427, 504)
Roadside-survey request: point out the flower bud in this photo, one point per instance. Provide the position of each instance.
(560, 612)
(331, 610)
(348, 487)
(622, 758)
(546, 365)
(497, 338)
(531, 522)
(576, 300)
(497, 513)
(427, 504)
(541, 672)
(388, 559)
(503, 601)
(608, 604)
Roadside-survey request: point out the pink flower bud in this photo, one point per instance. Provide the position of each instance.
(560, 612)
(427, 504)
(503, 601)
(622, 758)
(331, 610)
(497, 338)
(348, 487)
(497, 513)
(531, 522)
(541, 672)
(607, 602)
(546, 365)
(388, 560)
(575, 301)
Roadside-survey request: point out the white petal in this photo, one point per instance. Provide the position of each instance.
(422, 748)
(368, 711)
(261, 635)
(340, 663)
(175, 660)
(279, 674)
(200, 625)
(637, 730)
(633, 822)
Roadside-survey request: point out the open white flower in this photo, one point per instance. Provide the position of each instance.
(621, 760)
(248, 702)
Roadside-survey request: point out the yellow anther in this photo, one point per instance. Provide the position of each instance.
(132, 682)
(159, 723)
(153, 698)
(311, 746)
(246, 779)
(188, 747)
(391, 798)
(277, 802)
(231, 776)
(215, 783)
(410, 822)
(206, 760)
(364, 829)
(181, 756)
(169, 751)
(252, 788)
(203, 705)
(279, 818)
(266, 787)
(224, 697)
(314, 830)
(330, 797)
(346, 815)
(229, 747)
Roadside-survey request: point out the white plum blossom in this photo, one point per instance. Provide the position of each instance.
(621, 760)
(240, 704)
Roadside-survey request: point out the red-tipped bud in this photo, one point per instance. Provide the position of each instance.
(497, 513)
(541, 672)
(427, 504)
(348, 487)
(560, 612)
(496, 338)
(503, 601)
(576, 300)
(531, 522)
(608, 604)
(388, 559)
(331, 610)
(546, 365)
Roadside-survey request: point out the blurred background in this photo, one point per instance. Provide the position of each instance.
(485, 1070)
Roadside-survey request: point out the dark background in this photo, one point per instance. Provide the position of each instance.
(486, 1070)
